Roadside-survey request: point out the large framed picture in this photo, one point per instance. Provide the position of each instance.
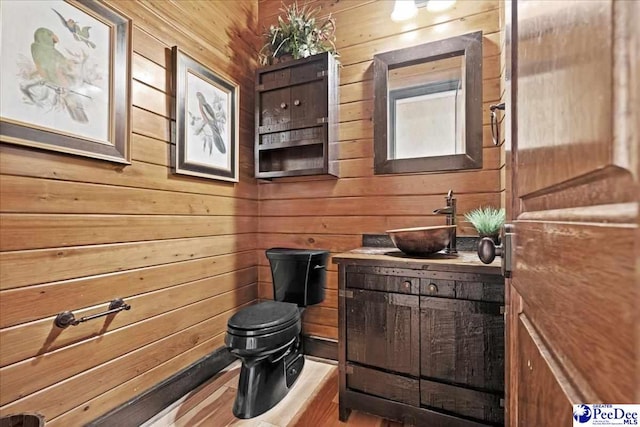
(206, 131)
(65, 77)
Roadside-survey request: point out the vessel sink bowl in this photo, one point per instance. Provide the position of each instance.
(421, 240)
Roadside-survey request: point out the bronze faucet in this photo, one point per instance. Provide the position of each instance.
(450, 212)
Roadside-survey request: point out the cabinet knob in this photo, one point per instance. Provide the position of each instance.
(296, 102)
(406, 284)
(433, 289)
(283, 105)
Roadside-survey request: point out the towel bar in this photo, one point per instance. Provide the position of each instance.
(67, 318)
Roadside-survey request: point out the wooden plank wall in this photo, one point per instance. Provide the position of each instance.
(75, 233)
(333, 213)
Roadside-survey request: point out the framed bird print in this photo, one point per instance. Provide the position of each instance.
(65, 77)
(206, 130)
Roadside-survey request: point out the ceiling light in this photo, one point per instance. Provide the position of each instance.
(403, 10)
(439, 5)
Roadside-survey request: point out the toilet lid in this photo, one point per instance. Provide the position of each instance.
(267, 316)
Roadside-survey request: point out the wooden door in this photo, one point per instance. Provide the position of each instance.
(383, 330)
(573, 323)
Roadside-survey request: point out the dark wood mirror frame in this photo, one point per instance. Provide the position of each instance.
(470, 47)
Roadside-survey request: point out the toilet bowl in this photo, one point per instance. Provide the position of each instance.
(267, 338)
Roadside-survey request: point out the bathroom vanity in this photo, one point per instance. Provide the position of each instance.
(421, 339)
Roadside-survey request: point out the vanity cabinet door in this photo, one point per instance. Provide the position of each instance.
(383, 330)
(462, 342)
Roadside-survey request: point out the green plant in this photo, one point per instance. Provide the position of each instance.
(299, 34)
(487, 221)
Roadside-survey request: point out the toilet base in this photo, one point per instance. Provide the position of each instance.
(266, 381)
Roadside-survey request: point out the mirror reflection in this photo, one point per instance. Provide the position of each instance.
(426, 109)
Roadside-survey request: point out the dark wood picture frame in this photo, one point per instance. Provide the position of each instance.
(470, 47)
(117, 148)
(183, 66)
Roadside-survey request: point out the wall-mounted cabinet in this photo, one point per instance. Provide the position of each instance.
(297, 117)
(422, 342)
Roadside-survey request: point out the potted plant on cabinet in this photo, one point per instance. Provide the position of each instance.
(487, 221)
(298, 34)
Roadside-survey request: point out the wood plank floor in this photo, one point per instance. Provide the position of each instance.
(313, 401)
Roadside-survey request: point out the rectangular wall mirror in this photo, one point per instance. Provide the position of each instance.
(428, 107)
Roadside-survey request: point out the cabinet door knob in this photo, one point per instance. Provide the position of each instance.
(296, 102)
(406, 284)
(487, 250)
(433, 289)
(283, 105)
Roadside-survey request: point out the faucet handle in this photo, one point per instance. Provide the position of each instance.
(449, 195)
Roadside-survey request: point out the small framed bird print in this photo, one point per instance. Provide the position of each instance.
(65, 77)
(206, 129)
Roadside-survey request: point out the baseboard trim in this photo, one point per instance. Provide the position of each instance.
(144, 406)
(324, 348)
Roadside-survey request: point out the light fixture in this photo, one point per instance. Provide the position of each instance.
(403, 10)
(439, 5)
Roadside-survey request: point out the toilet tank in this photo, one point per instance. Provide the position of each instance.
(298, 275)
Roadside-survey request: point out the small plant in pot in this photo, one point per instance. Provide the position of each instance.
(487, 221)
(298, 34)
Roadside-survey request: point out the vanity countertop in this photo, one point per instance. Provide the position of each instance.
(392, 257)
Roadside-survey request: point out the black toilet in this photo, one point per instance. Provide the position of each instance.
(267, 336)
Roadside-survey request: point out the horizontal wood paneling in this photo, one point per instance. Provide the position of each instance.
(487, 21)
(36, 337)
(58, 398)
(76, 233)
(381, 205)
(34, 302)
(356, 225)
(141, 175)
(34, 231)
(35, 195)
(327, 213)
(130, 389)
(60, 364)
(371, 21)
(16, 268)
(313, 329)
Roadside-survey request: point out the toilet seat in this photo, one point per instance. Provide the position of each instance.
(263, 327)
(263, 318)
